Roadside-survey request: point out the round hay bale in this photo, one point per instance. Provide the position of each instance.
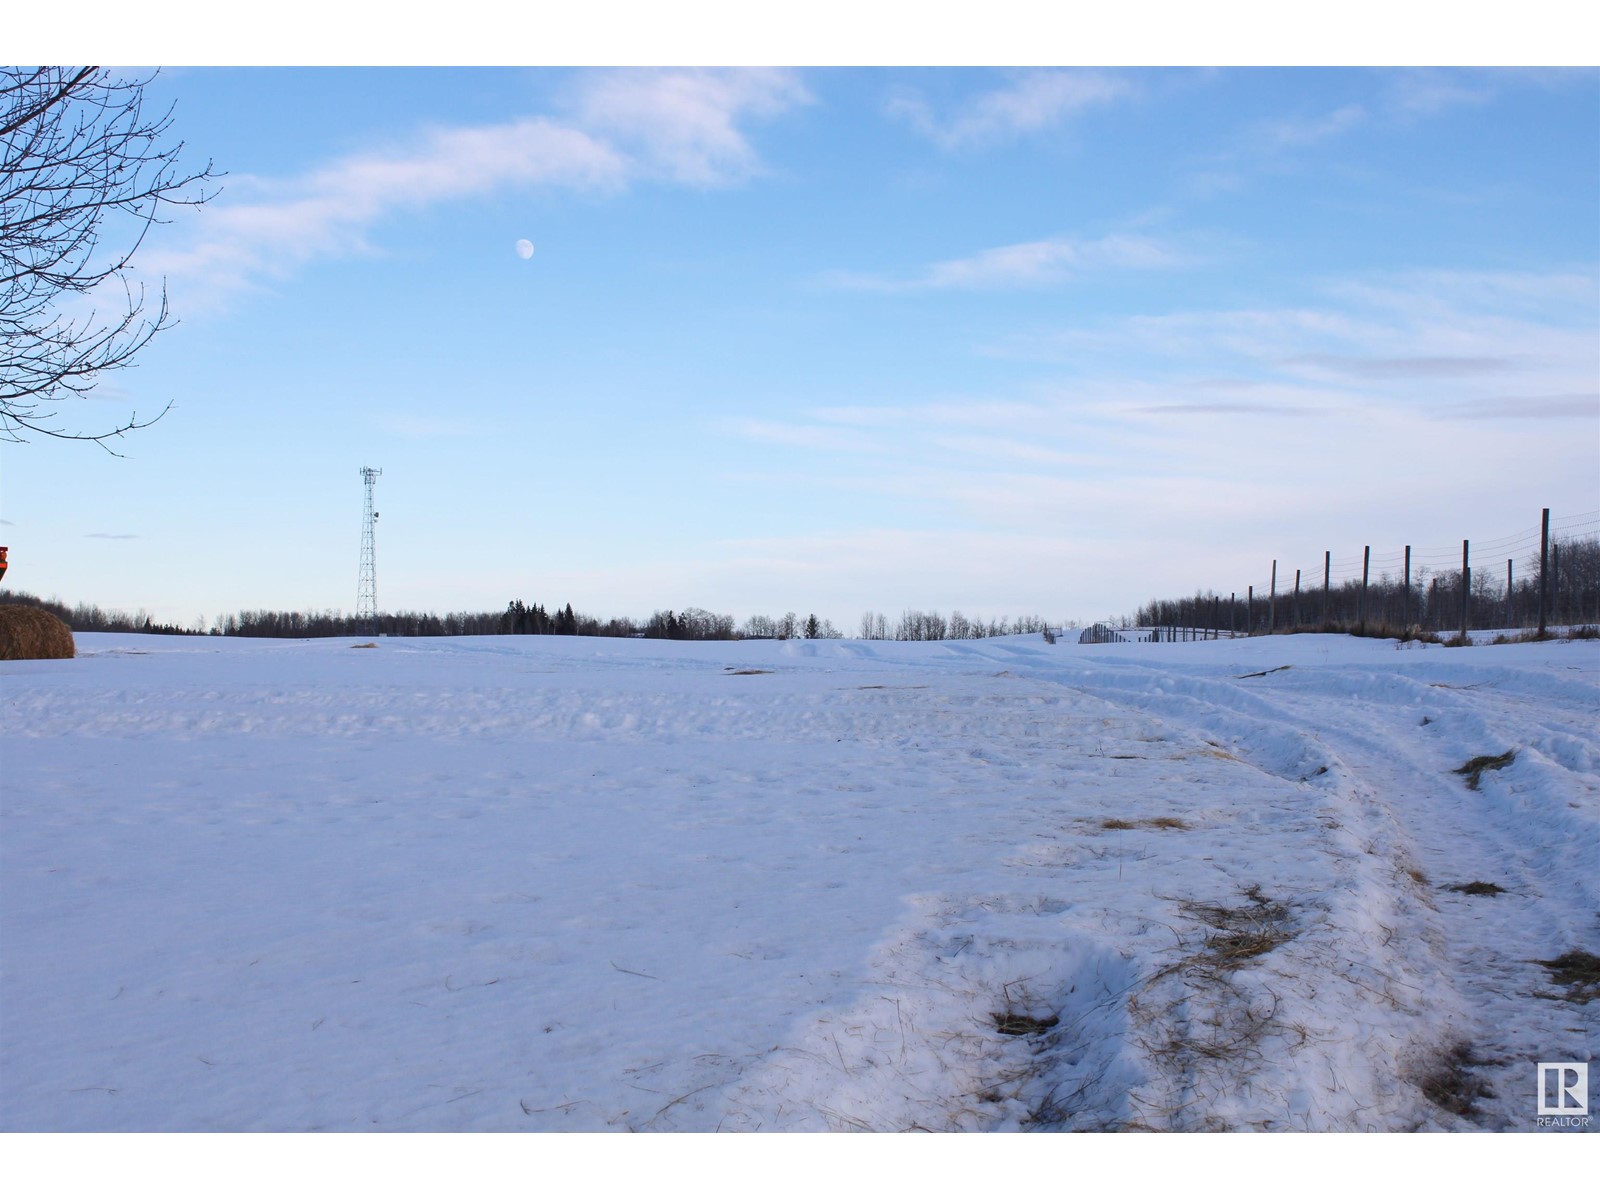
(28, 632)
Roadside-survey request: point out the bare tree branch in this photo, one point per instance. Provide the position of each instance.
(84, 175)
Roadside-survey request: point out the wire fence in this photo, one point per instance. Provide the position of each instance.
(1544, 574)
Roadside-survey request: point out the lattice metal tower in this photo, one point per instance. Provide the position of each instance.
(367, 589)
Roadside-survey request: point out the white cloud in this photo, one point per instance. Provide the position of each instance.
(626, 126)
(1427, 91)
(1541, 408)
(1568, 296)
(265, 227)
(824, 437)
(1288, 133)
(984, 413)
(1034, 102)
(1412, 406)
(1261, 143)
(1420, 335)
(1023, 264)
(1415, 366)
(685, 125)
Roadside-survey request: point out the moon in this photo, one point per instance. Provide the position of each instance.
(524, 248)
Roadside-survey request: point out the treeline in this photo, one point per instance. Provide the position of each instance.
(91, 618)
(1433, 601)
(533, 619)
(914, 626)
(333, 623)
(689, 624)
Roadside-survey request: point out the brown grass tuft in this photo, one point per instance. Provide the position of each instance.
(1245, 931)
(1474, 768)
(1476, 888)
(1578, 971)
(1145, 823)
(1019, 1025)
(1451, 1084)
(29, 632)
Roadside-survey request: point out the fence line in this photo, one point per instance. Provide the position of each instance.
(1546, 574)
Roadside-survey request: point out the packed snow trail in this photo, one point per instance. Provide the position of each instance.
(575, 884)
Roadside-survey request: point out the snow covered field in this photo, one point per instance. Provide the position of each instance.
(562, 884)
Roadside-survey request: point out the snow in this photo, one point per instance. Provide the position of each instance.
(566, 884)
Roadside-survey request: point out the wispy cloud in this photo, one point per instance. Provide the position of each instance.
(1264, 144)
(1415, 334)
(1031, 103)
(1422, 92)
(685, 125)
(114, 537)
(993, 448)
(983, 413)
(1428, 91)
(812, 435)
(268, 228)
(1285, 133)
(620, 128)
(1189, 421)
(1215, 408)
(1545, 408)
(1549, 296)
(1399, 98)
(1023, 264)
(1437, 366)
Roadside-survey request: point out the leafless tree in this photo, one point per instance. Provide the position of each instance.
(84, 174)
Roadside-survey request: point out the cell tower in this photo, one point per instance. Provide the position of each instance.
(367, 589)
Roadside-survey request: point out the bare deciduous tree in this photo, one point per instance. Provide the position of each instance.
(83, 176)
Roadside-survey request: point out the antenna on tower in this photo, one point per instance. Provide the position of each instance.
(367, 589)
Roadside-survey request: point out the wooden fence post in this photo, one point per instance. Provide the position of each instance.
(1466, 587)
(1327, 562)
(1361, 604)
(1405, 596)
(1555, 582)
(1272, 601)
(1544, 569)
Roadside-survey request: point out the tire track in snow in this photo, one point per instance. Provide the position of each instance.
(1530, 829)
(1371, 949)
(1381, 760)
(1131, 1047)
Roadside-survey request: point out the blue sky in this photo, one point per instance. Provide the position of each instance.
(1036, 340)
